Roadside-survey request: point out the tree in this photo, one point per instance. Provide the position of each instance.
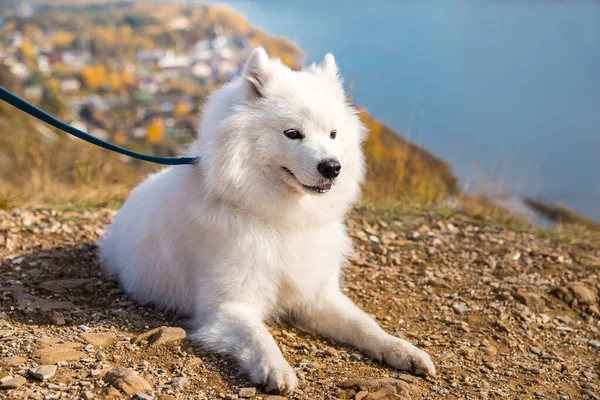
(115, 80)
(155, 132)
(137, 20)
(94, 77)
(27, 49)
(51, 101)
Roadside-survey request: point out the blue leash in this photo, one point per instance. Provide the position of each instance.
(32, 110)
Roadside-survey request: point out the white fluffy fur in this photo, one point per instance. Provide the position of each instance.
(236, 240)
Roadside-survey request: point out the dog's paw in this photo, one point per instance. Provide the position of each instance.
(275, 376)
(404, 356)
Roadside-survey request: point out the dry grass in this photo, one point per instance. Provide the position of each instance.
(35, 170)
(40, 165)
(398, 170)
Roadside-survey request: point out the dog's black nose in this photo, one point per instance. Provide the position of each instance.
(329, 168)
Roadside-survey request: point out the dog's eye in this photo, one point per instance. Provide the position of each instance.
(293, 134)
(333, 134)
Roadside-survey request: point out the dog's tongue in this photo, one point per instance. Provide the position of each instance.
(325, 187)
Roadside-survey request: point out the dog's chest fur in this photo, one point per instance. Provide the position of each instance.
(274, 268)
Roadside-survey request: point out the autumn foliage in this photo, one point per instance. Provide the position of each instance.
(400, 170)
(94, 77)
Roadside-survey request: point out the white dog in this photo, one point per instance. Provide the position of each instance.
(255, 231)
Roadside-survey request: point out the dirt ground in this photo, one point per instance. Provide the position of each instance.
(503, 314)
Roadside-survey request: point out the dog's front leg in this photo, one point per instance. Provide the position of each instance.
(335, 316)
(237, 330)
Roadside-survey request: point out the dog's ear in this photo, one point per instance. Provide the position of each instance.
(328, 65)
(257, 72)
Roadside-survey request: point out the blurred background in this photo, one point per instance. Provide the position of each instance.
(492, 106)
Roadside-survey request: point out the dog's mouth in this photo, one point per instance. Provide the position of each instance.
(319, 189)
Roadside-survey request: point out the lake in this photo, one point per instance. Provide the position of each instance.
(508, 92)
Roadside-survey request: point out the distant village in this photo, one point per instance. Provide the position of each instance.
(152, 99)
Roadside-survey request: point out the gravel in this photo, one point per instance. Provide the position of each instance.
(496, 325)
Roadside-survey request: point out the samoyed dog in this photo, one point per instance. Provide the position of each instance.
(255, 231)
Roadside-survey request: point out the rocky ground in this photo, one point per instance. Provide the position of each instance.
(503, 314)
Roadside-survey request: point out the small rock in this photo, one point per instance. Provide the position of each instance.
(13, 383)
(143, 396)
(594, 343)
(247, 392)
(460, 308)
(467, 351)
(330, 351)
(87, 395)
(531, 300)
(100, 339)
(584, 294)
(13, 361)
(539, 394)
(361, 395)
(60, 353)
(379, 249)
(535, 350)
(564, 328)
(63, 286)
(101, 356)
(193, 361)
(111, 393)
(545, 318)
(501, 326)
(24, 301)
(373, 385)
(181, 382)
(437, 389)
(408, 378)
(452, 229)
(43, 372)
(569, 368)
(576, 292)
(4, 333)
(374, 239)
(356, 356)
(591, 394)
(58, 319)
(84, 328)
(127, 380)
(161, 335)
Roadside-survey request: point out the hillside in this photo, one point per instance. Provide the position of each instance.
(42, 166)
(39, 165)
(503, 313)
(35, 170)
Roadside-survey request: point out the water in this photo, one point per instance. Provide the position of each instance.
(508, 92)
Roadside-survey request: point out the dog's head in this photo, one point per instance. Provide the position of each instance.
(282, 138)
